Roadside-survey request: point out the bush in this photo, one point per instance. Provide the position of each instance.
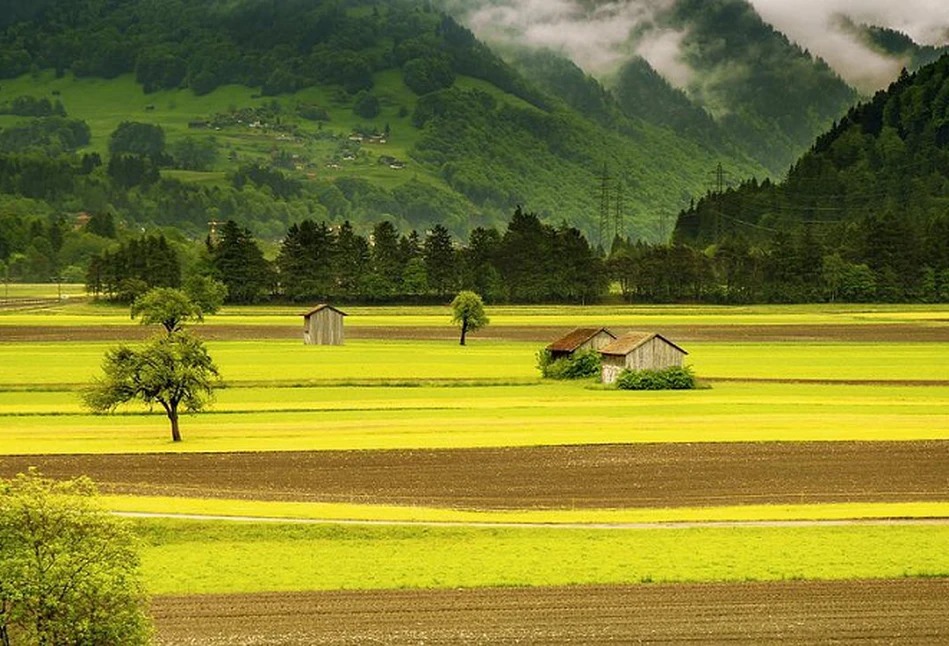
(674, 378)
(580, 365)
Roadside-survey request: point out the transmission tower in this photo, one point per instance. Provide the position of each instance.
(720, 179)
(618, 219)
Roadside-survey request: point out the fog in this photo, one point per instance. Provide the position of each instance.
(599, 36)
(817, 26)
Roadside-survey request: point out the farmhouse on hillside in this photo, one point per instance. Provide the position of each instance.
(580, 339)
(639, 351)
(323, 325)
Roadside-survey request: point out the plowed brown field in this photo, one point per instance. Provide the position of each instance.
(884, 332)
(610, 476)
(911, 611)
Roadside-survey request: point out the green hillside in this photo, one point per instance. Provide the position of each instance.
(870, 199)
(467, 138)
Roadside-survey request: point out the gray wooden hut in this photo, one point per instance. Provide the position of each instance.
(639, 351)
(580, 339)
(323, 325)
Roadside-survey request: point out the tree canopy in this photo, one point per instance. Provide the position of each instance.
(467, 311)
(166, 306)
(68, 568)
(174, 371)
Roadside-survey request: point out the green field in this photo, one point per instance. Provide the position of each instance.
(199, 557)
(274, 363)
(373, 394)
(620, 316)
(455, 417)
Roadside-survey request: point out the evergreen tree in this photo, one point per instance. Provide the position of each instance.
(240, 264)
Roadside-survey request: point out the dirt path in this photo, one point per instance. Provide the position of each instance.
(907, 611)
(604, 476)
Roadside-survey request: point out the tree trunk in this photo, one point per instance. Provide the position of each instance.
(175, 433)
(464, 330)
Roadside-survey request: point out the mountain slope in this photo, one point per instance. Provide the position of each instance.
(872, 192)
(467, 137)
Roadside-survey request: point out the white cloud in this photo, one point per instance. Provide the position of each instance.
(596, 37)
(814, 24)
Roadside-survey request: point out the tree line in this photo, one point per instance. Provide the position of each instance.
(529, 262)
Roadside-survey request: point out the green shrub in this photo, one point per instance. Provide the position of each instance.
(580, 365)
(674, 378)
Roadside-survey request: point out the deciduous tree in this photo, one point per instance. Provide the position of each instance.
(468, 312)
(174, 371)
(68, 568)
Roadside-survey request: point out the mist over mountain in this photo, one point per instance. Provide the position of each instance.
(773, 74)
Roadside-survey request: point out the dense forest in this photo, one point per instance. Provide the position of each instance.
(867, 205)
(529, 262)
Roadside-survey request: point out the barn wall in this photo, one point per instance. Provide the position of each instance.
(612, 366)
(655, 354)
(326, 328)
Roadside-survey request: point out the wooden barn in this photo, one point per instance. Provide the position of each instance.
(639, 351)
(581, 339)
(323, 325)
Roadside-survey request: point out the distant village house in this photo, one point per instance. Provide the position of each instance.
(323, 325)
(639, 351)
(580, 339)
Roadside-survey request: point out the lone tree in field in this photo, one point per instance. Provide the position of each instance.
(468, 312)
(175, 371)
(172, 308)
(68, 568)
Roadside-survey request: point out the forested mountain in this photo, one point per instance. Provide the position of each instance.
(872, 196)
(177, 113)
(767, 92)
(737, 78)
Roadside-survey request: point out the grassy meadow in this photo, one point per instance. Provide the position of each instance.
(375, 394)
(201, 557)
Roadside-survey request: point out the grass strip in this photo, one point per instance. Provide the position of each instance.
(389, 513)
(190, 557)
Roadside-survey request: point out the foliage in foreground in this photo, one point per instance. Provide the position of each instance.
(579, 365)
(674, 378)
(68, 568)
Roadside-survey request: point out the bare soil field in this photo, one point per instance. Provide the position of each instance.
(907, 611)
(868, 333)
(605, 476)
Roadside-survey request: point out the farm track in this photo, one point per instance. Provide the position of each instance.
(905, 611)
(219, 331)
(557, 477)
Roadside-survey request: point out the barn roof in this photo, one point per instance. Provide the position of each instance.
(632, 340)
(322, 307)
(576, 338)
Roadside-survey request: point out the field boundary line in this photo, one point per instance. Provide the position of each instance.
(828, 382)
(728, 524)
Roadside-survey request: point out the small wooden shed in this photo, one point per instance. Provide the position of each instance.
(323, 325)
(580, 339)
(639, 351)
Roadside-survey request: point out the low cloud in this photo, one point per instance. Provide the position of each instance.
(596, 36)
(600, 36)
(816, 25)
